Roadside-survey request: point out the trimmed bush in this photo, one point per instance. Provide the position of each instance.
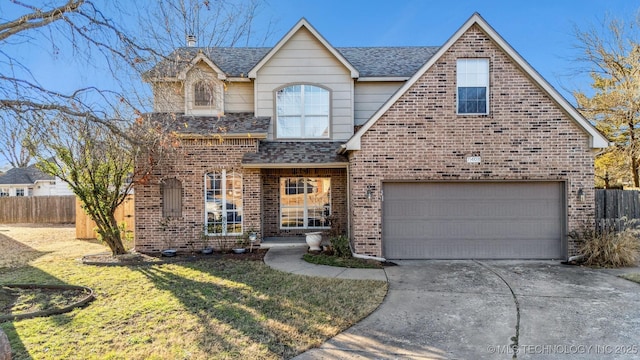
(340, 246)
(611, 250)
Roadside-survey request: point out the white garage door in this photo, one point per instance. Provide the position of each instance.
(479, 220)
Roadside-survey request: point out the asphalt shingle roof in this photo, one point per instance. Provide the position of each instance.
(369, 61)
(231, 123)
(22, 176)
(388, 61)
(293, 152)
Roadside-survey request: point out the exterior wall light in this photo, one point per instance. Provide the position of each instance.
(581, 195)
(369, 193)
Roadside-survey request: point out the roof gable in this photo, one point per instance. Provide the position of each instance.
(24, 176)
(303, 23)
(597, 139)
(182, 75)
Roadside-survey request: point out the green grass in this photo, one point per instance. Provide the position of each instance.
(223, 309)
(635, 277)
(350, 262)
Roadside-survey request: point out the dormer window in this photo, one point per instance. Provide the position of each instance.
(204, 94)
(302, 112)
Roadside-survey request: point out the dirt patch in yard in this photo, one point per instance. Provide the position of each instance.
(22, 301)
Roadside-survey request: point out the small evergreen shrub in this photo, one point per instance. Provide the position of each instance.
(340, 245)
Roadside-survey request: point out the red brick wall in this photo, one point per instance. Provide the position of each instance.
(271, 191)
(526, 136)
(190, 163)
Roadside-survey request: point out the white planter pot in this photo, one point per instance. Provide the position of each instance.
(313, 240)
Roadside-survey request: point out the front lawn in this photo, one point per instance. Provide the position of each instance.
(222, 309)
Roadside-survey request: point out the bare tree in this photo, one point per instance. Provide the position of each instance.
(13, 134)
(96, 134)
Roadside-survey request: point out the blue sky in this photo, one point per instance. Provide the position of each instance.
(542, 31)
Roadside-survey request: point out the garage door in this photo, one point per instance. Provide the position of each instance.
(508, 220)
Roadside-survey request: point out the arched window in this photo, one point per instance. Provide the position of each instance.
(203, 94)
(171, 198)
(223, 203)
(302, 112)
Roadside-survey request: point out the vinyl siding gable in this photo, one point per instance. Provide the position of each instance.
(305, 60)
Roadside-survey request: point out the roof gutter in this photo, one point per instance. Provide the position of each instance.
(332, 165)
(223, 136)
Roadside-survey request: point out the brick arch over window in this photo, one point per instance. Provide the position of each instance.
(171, 190)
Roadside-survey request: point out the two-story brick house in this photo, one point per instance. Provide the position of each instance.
(456, 151)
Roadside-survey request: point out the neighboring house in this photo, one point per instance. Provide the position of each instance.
(457, 151)
(31, 181)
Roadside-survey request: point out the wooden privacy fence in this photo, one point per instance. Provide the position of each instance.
(37, 210)
(124, 214)
(615, 208)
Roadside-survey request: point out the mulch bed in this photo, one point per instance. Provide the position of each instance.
(106, 259)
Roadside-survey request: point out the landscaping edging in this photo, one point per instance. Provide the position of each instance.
(87, 299)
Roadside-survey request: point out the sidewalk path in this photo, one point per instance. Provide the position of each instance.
(289, 259)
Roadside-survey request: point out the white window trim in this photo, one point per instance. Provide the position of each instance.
(303, 115)
(488, 68)
(306, 208)
(223, 206)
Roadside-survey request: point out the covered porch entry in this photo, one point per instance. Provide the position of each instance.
(303, 187)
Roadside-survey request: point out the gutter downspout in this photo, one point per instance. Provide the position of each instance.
(365, 257)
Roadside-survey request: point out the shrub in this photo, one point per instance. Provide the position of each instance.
(340, 246)
(610, 249)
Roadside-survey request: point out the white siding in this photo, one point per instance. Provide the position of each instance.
(304, 60)
(370, 96)
(238, 97)
(48, 188)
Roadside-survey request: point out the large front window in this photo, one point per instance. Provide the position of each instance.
(223, 203)
(305, 202)
(302, 112)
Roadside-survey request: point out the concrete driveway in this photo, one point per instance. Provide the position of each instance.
(476, 309)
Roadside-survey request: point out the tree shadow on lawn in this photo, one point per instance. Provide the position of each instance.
(15, 253)
(246, 308)
(27, 275)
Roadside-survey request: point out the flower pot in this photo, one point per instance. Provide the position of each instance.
(313, 240)
(207, 251)
(169, 252)
(239, 250)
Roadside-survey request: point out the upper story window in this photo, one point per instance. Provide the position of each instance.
(204, 94)
(302, 112)
(473, 86)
